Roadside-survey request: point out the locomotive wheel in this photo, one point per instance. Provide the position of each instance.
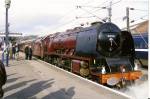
(121, 84)
(84, 72)
(57, 61)
(124, 84)
(52, 61)
(131, 82)
(61, 63)
(97, 79)
(46, 58)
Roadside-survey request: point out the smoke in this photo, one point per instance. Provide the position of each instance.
(140, 89)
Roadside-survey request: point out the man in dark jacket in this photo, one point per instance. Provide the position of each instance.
(26, 52)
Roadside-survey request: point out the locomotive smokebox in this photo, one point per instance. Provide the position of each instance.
(108, 39)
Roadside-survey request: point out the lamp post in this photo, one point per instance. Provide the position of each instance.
(128, 17)
(7, 5)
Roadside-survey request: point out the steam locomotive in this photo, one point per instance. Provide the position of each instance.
(101, 52)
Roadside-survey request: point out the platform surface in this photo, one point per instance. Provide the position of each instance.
(31, 79)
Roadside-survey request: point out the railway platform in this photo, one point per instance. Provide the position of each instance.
(34, 79)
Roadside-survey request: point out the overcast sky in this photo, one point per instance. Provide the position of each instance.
(41, 17)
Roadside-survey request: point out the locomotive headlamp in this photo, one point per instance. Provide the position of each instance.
(103, 70)
(136, 66)
(94, 61)
(122, 68)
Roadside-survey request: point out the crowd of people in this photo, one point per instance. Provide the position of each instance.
(10, 52)
(14, 51)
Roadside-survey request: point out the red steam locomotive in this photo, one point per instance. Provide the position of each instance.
(101, 52)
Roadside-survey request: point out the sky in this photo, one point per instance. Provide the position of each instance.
(43, 17)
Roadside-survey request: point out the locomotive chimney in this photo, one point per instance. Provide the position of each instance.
(96, 23)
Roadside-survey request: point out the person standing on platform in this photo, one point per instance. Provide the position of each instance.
(30, 53)
(17, 51)
(13, 51)
(10, 51)
(3, 52)
(26, 52)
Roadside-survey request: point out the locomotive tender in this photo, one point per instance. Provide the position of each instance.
(102, 52)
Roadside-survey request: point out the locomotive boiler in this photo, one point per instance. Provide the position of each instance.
(101, 52)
